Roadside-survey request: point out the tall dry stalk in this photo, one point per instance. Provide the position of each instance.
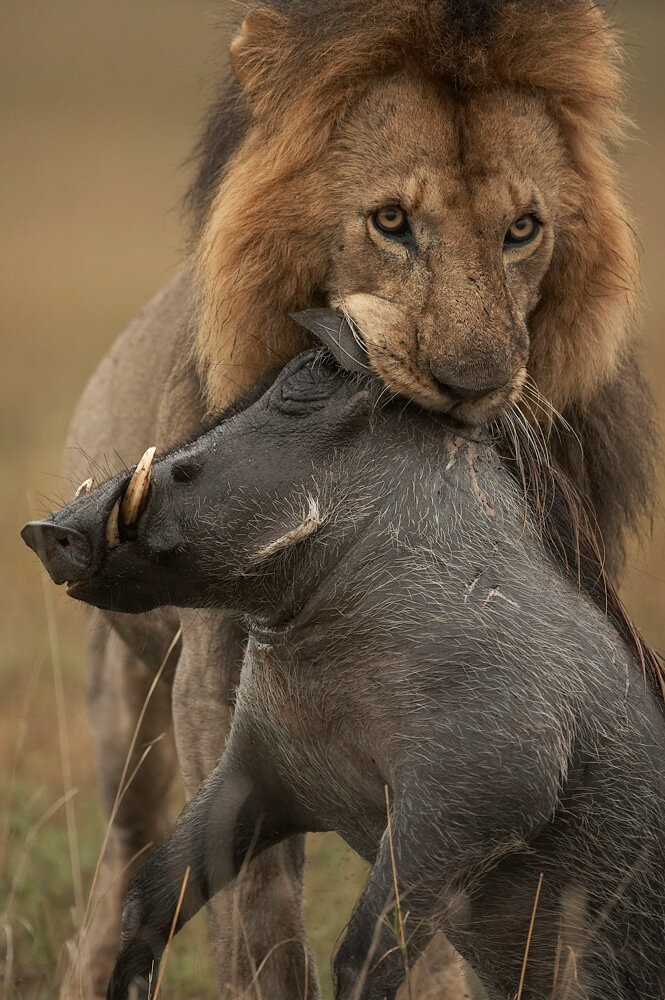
(528, 938)
(65, 754)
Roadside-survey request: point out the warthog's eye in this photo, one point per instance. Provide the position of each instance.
(302, 394)
(391, 221)
(522, 231)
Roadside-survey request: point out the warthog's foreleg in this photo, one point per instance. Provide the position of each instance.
(449, 822)
(390, 925)
(230, 821)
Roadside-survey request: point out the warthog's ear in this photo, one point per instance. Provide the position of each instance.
(333, 330)
(247, 50)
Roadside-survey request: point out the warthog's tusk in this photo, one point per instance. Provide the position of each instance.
(112, 530)
(85, 487)
(136, 493)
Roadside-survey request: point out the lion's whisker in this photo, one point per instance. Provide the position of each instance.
(357, 334)
(536, 395)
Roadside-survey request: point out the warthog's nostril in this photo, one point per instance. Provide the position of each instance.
(65, 552)
(185, 472)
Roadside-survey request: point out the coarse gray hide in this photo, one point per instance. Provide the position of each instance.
(420, 677)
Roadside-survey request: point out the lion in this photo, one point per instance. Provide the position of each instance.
(440, 172)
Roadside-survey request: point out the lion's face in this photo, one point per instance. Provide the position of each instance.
(444, 217)
(455, 192)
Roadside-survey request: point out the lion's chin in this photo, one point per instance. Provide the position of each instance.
(484, 410)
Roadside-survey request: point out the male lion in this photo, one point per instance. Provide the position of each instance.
(441, 171)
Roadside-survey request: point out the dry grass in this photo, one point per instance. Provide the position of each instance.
(99, 104)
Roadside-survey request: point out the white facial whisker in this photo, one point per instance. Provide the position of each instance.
(353, 326)
(533, 432)
(556, 419)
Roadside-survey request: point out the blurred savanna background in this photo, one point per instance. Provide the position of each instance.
(100, 102)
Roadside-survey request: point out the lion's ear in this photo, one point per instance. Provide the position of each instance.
(256, 36)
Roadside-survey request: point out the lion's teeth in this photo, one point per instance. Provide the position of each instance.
(136, 493)
(85, 487)
(112, 529)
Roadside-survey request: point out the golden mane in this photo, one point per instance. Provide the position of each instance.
(261, 251)
(257, 260)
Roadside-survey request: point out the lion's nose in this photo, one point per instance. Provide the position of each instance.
(462, 391)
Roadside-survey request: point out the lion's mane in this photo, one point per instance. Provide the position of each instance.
(258, 259)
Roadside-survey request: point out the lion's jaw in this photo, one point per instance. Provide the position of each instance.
(410, 362)
(444, 315)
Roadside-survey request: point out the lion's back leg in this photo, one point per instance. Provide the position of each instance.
(132, 735)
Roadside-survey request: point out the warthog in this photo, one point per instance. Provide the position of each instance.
(422, 675)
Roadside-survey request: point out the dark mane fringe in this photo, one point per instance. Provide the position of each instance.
(474, 17)
(616, 430)
(569, 532)
(224, 127)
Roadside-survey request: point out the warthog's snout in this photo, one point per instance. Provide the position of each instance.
(65, 552)
(73, 542)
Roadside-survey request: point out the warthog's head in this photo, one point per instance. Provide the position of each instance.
(198, 525)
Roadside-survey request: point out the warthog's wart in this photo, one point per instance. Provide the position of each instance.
(411, 642)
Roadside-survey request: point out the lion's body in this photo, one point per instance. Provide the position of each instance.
(494, 108)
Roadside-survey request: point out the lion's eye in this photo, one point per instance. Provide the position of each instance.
(522, 231)
(391, 220)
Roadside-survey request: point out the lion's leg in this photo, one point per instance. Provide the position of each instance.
(440, 974)
(117, 688)
(257, 927)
